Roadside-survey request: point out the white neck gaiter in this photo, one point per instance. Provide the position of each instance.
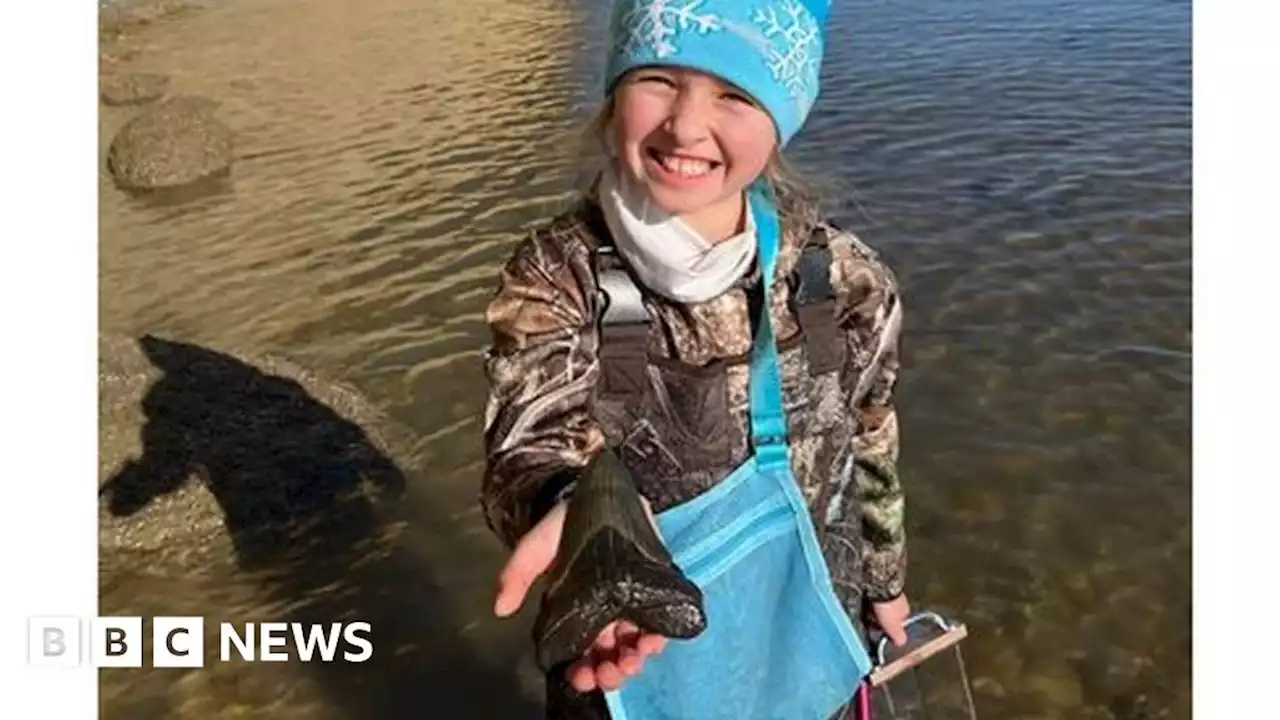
(670, 257)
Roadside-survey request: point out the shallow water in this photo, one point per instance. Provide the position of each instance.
(1024, 164)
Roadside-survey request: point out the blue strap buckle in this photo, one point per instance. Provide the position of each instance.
(772, 450)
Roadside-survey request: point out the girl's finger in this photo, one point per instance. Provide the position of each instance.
(630, 661)
(628, 635)
(608, 676)
(630, 658)
(650, 644)
(608, 637)
(531, 557)
(582, 677)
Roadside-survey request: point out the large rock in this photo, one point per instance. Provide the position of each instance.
(132, 88)
(173, 143)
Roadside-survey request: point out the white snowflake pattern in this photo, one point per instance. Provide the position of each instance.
(794, 47)
(657, 23)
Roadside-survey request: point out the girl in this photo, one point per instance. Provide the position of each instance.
(692, 290)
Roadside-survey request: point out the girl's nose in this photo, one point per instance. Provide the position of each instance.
(689, 121)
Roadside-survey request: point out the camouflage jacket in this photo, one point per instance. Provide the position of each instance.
(560, 392)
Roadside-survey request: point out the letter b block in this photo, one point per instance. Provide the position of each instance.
(116, 642)
(54, 641)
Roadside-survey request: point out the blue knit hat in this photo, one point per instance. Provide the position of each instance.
(772, 49)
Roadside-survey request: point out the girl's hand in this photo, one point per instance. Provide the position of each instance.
(890, 616)
(619, 650)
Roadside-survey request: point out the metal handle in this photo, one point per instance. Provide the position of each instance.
(914, 653)
(882, 642)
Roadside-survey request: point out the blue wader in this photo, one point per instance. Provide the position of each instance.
(778, 643)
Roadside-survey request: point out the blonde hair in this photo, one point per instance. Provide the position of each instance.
(796, 195)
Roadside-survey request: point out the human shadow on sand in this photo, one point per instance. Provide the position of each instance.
(305, 492)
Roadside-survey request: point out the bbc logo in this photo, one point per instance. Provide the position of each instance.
(115, 642)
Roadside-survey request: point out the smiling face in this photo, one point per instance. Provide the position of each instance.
(693, 142)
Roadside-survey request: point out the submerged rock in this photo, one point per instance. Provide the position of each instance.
(133, 88)
(119, 16)
(175, 142)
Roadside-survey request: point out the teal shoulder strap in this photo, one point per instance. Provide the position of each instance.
(768, 415)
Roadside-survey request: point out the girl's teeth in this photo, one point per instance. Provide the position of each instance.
(685, 166)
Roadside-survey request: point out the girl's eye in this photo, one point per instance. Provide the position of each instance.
(738, 98)
(659, 79)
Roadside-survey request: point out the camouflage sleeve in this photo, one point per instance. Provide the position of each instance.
(541, 369)
(871, 316)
